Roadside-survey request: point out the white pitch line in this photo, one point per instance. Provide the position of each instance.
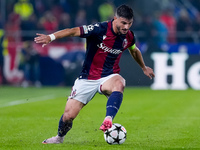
(28, 100)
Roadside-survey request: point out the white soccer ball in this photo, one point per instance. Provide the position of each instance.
(116, 134)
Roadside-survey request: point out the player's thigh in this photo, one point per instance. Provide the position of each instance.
(84, 90)
(115, 83)
(72, 109)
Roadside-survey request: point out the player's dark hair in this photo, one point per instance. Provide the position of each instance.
(125, 11)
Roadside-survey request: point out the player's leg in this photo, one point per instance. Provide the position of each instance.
(72, 109)
(113, 88)
(115, 83)
(82, 92)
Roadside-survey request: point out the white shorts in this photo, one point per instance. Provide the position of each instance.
(84, 90)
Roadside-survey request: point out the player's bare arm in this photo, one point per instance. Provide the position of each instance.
(136, 54)
(45, 39)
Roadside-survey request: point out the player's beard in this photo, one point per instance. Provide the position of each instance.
(120, 32)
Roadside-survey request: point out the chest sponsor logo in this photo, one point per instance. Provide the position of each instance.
(107, 49)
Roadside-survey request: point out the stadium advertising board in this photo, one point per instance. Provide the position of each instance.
(175, 71)
(184, 71)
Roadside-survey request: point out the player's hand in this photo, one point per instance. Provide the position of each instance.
(42, 39)
(148, 72)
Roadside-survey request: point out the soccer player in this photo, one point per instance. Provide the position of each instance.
(100, 72)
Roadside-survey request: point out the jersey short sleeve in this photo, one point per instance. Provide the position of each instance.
(93, 29)
(89, 30)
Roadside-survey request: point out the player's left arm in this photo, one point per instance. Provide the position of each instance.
(136, 54)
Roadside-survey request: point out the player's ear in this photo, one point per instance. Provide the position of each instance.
(115, 17)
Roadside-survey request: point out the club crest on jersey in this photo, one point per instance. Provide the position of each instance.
(110, 50)
(125, 42)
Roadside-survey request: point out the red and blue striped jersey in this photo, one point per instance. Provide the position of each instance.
(104, 49)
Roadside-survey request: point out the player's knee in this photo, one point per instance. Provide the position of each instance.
(123, 82)
(119, 84)
(68, 116)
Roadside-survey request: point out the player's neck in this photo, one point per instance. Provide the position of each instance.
(114, 27)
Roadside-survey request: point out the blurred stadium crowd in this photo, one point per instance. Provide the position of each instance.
(156, 22)
(159, 20)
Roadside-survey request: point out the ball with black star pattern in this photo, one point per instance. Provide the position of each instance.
(116, 134)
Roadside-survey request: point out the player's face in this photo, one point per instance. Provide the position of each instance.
(123, 25)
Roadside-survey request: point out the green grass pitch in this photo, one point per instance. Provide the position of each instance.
(162, 119)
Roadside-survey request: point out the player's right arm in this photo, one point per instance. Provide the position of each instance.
(45, 39)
